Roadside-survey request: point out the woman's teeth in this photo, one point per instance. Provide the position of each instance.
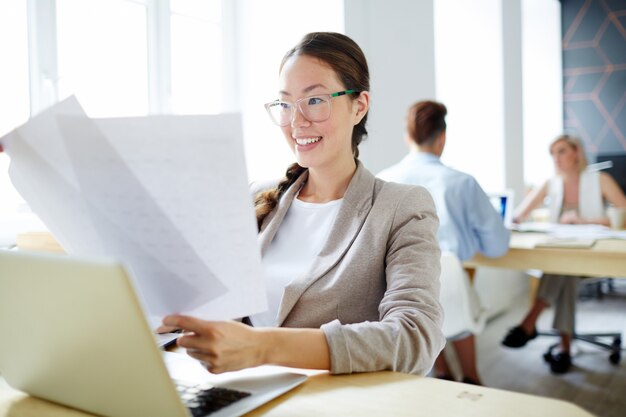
(306, 141)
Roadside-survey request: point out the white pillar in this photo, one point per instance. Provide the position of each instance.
(513, 97)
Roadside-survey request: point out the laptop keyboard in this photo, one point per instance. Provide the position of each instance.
(204, 399)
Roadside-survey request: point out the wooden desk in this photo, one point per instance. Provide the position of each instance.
(372, 394)
(606, 258)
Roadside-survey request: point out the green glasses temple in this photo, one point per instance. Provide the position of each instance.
(341, 93)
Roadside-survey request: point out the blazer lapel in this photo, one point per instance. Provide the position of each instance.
(275, 218)
(357, 203)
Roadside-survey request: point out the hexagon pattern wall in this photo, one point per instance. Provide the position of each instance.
(594, 73)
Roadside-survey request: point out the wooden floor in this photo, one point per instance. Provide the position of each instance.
(594, 383)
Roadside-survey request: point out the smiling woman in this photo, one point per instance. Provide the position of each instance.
(351, 262)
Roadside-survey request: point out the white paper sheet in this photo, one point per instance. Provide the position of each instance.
(166, 195)
(572, 231)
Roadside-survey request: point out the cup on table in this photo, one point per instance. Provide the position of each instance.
(617, 217)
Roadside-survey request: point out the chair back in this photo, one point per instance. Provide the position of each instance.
(463, 311)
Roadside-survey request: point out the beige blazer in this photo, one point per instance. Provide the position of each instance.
(374, 287)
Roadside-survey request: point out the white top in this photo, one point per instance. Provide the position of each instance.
(590, 203)
(299, 240)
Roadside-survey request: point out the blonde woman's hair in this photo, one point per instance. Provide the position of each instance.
(576, 144)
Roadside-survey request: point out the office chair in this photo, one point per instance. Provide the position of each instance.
(597, 339)
(461, 305)
(596, 288)
(615, 347)
(618, 168)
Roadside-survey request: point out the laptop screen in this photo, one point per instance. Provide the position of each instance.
(503, 203)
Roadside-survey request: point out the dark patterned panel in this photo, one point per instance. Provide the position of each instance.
(594, 73)
(588, 23)
(584, 83)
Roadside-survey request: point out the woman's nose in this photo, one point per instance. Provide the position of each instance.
(298, 119)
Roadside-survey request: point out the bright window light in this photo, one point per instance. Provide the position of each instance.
(14, 103)
(103, 55)
(469, 81)
(543, 86)
(196, 49)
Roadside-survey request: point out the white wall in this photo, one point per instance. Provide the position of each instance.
(397, 37)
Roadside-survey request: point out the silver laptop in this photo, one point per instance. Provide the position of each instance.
(73, 332)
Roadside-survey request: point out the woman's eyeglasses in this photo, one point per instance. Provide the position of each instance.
(314, 109)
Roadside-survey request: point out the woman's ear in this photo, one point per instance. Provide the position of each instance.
(362, 104)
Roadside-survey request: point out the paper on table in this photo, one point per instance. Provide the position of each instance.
(569, 243)
(167, 195)
(586, 232)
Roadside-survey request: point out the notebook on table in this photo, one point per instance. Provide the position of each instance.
(74, 333)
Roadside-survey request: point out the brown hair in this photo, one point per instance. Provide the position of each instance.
(344, 57)
(426, 120)
(576, 144)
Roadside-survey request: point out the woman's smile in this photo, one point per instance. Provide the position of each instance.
(305, 143)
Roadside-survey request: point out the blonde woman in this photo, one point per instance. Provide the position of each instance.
(576, 195)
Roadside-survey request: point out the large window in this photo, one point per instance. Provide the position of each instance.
(119, 57)
(543, 88)
(133, 57)
(469, 67)
(14, 102)
(197, 56)
(102, 55)
(138, 57)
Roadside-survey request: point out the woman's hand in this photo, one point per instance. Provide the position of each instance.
(166, 329)
(570, 217)
(221, 346)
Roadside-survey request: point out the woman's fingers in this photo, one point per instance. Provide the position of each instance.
(195, 341)
(186, 323)
(220, 345)
(166, 329)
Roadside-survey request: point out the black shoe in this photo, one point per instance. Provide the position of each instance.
(559, 363)
(517, 337)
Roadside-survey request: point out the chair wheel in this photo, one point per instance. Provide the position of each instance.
(615, 357)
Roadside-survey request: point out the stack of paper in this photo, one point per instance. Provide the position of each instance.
(585, 232)
(166, 195)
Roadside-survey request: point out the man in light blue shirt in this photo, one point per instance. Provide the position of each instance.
(469, 223)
